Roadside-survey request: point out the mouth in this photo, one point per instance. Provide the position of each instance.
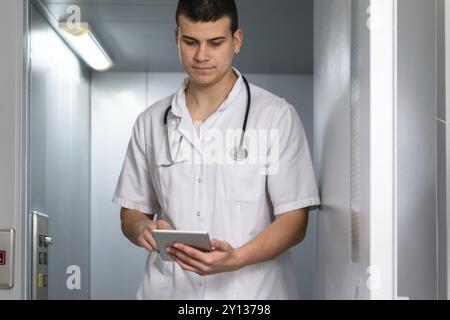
(202, 69)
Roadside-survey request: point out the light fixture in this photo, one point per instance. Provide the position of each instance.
(82, 40)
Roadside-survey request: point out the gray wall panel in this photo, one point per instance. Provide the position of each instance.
(59, 155)
(442, 209)
(416, 131)
(441, 150)
(440, 54)
(341, 153)
(117, 266)
(447, 72)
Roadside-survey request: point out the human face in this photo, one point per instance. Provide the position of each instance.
(207, 49)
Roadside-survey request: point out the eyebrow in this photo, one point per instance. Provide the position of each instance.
(214, 39)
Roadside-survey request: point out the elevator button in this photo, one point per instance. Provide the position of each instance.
(47, 241)
(40, 280)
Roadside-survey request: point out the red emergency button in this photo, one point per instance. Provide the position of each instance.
(2, 258)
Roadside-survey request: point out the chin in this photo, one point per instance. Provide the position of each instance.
(203, 80)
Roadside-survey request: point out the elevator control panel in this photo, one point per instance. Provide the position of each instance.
(40, 244)
(6, 259)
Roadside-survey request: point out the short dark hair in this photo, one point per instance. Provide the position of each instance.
(208, 11)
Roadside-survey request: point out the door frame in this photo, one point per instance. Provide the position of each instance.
(23, 143)
(15, 126)
(383, 158)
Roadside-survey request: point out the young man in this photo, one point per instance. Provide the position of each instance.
(253, 218)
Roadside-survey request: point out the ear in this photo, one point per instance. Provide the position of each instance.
(176, 36)
(238, 39)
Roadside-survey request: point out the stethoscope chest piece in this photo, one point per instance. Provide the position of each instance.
(239, 154)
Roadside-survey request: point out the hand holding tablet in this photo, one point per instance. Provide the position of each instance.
(167, 238)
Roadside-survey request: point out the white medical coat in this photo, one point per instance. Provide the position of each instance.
(232, 202)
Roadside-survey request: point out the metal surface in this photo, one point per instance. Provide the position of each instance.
(441, 144)
(59, 154)
(355, 131)
(6, 259)
(40, 242)
(341, 147)
(416, 150)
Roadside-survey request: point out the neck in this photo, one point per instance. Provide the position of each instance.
(208, 99)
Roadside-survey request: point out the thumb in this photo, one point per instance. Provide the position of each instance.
(164, 225)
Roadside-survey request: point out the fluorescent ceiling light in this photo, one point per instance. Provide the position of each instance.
(81, 38)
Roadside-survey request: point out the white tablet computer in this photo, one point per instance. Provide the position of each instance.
(166, 238)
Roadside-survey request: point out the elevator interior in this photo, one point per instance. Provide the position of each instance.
(314, 53)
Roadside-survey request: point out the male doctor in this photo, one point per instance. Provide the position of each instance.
(253, 216)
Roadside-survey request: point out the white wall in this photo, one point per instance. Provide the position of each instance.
(117, 99)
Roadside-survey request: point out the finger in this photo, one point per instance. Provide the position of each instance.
(164, 225)
(151, 226)
(149, 238)
(143, 243)
(188, 260)
(168, 226)
(185, 266)
(192, 252)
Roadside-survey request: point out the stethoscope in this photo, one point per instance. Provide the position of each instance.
(237, 153)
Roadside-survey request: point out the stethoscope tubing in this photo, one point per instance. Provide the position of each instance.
(244, 126)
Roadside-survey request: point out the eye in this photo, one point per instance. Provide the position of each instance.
(216, 44)
(189, 43)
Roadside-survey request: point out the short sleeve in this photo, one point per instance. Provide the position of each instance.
(291, 181)
(134, 188)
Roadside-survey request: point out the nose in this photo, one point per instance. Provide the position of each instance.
(202, 54)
